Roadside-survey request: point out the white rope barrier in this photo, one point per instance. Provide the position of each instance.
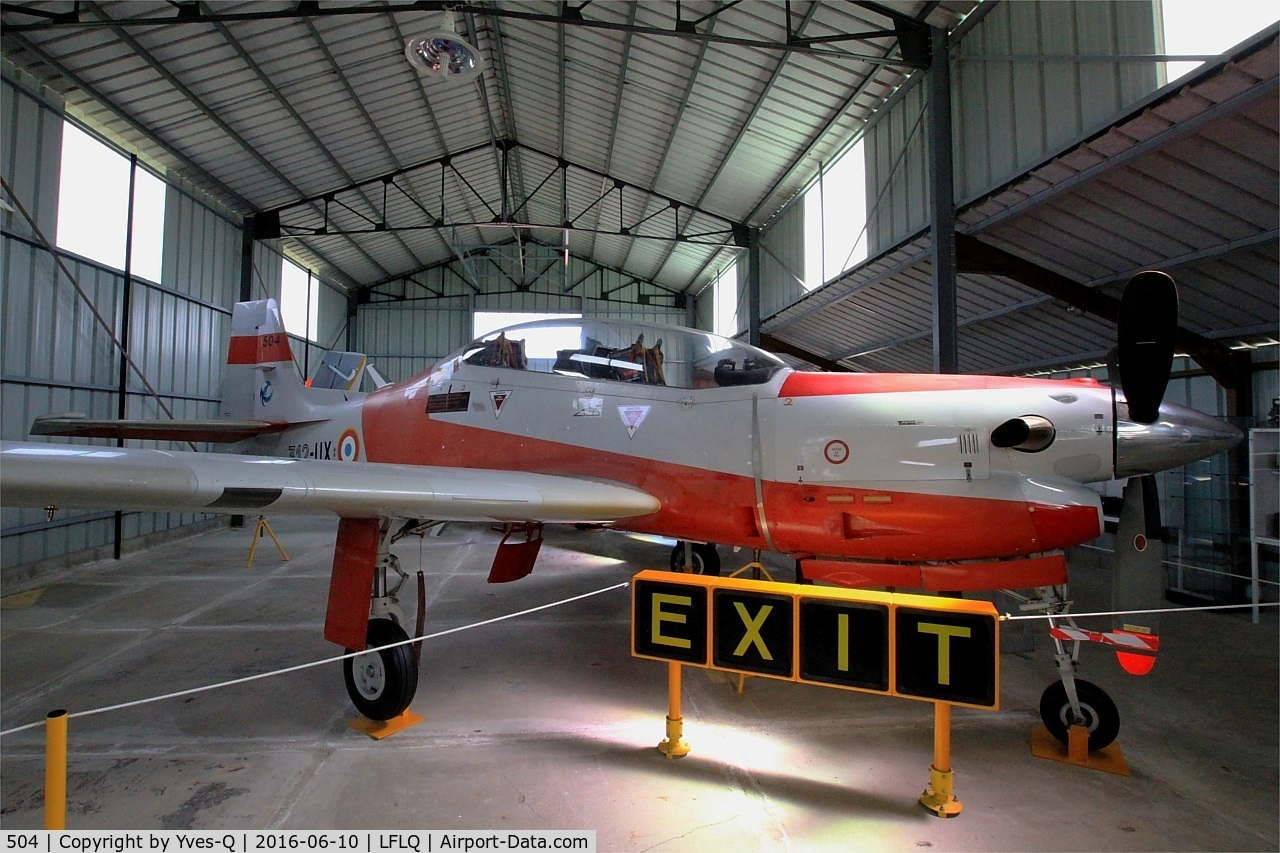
(1191, 567)
(1247, 605)
(312, 664)
(1006, 617)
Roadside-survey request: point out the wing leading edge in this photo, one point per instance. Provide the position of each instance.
(172, 481)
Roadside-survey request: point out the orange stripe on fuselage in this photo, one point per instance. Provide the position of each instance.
(259, 349)
(835, 384)
(711, 506)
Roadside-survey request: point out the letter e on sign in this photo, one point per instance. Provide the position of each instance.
(669, 621)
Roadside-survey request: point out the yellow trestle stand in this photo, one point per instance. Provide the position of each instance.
(257, 534)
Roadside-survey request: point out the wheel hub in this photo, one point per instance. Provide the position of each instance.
(370, 676)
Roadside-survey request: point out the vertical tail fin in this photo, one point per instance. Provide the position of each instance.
(261, 381)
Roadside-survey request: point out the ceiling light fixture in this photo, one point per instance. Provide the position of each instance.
(444, 54)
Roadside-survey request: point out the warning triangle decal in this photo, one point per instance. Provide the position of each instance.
(499, 399)
(632, 417)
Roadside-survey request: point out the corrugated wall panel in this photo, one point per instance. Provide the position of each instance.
(31, 148)
(1010, 114)
(782, 261)
(402, 339)
(56, 358)
(1010, 110)
(897, 173)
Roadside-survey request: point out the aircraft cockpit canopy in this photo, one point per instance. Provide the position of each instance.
(623, 351)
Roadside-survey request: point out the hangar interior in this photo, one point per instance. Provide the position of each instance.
(777, 172)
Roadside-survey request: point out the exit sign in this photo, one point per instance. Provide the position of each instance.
(914, 646)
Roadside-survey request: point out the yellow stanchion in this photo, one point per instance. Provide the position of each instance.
(939, 798)
(257, 534)
(674, 746)
(55, 770)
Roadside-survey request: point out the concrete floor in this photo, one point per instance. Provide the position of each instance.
(546, 721)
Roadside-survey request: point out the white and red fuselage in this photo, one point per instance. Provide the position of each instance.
(867, 479)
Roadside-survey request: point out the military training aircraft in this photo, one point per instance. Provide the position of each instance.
(941, 482)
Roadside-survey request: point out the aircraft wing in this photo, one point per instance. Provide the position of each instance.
(85, 477)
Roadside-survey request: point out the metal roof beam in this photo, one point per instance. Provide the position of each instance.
(746, 123)
(194, 172)
(623, 62)
(594, 264)
(732, 231)
(199, 104)
(973, 255)
(569, 17)
(777, 345)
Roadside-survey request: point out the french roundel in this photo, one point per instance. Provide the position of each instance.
(349, 446)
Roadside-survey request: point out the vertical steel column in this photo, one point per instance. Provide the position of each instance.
(943, 225)
(353, 310)
(753, 286)
(246, 259)
(126, 307)
(306, 338)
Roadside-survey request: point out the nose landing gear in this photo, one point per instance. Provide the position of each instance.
(1071, 701)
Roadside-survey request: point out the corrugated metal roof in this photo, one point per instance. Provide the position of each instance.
(1187, 184)
(265, 111)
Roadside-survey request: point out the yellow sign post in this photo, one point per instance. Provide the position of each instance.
(942, 650)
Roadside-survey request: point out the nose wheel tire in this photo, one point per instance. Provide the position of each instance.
(706, 560)
(1101, 717)
(381, 682)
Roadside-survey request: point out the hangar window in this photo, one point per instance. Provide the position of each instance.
(835, 219)
(726, 302)
(93, 206)
(545, 339)
(299, 300)
(485, 322)
(1191, 27)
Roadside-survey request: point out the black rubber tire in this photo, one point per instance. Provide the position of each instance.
(1102, 719)
(381, 683)
(706, 560)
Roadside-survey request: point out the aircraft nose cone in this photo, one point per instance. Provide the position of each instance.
(1180, 435)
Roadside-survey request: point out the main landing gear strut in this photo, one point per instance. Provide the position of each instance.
(1070, 700)
(695, 558)
(382, 682)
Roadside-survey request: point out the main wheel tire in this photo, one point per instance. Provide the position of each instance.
(706, 560)
(381, 682)
(1101, 717)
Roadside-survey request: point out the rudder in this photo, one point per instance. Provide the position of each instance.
(261, 381)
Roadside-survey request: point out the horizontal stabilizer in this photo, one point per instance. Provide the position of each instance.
(216, 430)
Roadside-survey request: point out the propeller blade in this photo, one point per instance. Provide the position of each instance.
(1138, 578)
(1145, 331)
